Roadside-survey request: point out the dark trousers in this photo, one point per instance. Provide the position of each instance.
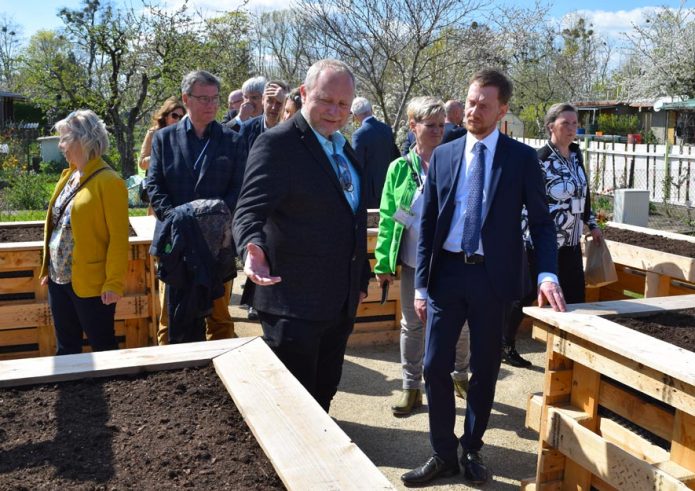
(313, 351)
(185, 324)
(72, 315)
(460, 292)
(571, 276)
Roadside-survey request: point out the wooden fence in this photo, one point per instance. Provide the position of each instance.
(666, 171)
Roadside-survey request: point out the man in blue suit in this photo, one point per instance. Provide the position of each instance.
(197, 158)
(375, 148)
(469, 267)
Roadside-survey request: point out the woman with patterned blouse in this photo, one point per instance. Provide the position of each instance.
(567, 188)
(86, 238)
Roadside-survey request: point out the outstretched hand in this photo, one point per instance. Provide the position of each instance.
(256, 267)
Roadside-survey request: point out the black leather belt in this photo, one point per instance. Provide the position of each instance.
(467, 259)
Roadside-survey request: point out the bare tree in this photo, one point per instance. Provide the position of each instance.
(390, 44)
(10, 42)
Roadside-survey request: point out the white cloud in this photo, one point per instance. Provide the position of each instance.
(214, 7)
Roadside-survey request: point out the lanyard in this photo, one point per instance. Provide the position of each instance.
(572, 168)
(202, 153)
(413, 172)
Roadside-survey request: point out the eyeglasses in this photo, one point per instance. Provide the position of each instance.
(344, 176)
(205, 99)
(176, 116)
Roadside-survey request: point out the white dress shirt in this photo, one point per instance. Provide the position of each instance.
(452, 243)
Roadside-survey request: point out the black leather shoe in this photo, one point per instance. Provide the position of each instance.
(430, 470)
(511, 356)
(252, 314)
(475, 471)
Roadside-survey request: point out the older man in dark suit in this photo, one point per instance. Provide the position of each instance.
(469, 267)
(375, 148)
(301, 226)
(196, 159)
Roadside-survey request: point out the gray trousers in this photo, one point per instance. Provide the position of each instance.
(413, 338)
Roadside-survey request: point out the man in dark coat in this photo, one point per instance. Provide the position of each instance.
(375, 148)
(197, 158)
(301, 228)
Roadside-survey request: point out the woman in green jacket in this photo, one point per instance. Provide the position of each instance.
(399, 227)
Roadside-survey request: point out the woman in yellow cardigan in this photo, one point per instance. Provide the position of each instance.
(85, 239)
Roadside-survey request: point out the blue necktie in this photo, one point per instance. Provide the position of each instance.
(474, 206)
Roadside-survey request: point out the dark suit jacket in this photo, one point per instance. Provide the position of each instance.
(293, 207)
(171, 180)
(250, 130)
(375, 149)
(516, 180)
(454, 132)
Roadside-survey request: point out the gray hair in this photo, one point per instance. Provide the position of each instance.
(200, 77)
(424, 107)
(255, 84)
(86, 128)
(361, 105)
(326, 64)
(554, 112)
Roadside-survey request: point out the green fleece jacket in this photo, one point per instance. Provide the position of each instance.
(399, 189)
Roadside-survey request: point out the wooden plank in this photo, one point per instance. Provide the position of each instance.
(680, 267)
(683, 443)
(16, 285)
(630, 279)
(376, 326)
(304, 444)
(606, 460)
(374, 338)
(560, 383)
(371, 309)
(534, 409)
(642, 448)
(108, 363)
(649, 416)
(374, 292)
(34, 314)
(641, 349)
(13, 259)
(631, 372)
(635, 306)
(657, 285)
(601, 485)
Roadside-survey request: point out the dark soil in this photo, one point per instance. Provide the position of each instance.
(165, 430)
(656, 242)
(675, 327)
(30, 233)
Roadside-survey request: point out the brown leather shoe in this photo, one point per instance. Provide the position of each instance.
(409, 400)
(429, 471)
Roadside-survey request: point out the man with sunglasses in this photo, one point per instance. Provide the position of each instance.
(196, 159)
(301, 228)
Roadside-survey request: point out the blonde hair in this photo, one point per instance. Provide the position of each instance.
(424, 107)
(86, 128)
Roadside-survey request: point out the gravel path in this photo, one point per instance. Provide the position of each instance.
(371, 380)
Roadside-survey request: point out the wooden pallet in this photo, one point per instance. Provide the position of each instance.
(646, 272)
(306, 447)
(618, 407)
(26, 324)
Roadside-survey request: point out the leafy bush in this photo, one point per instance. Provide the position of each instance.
(618, 124)
(29, 191)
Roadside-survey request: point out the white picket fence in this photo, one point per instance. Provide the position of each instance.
(666, 171)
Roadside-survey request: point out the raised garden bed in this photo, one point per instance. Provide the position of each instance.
(676, 327)
(618, 406)
(305, 446)
(26, 325)
(649, 263)
(168, 429)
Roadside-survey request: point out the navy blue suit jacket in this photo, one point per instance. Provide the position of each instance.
(171, 180)
(375, 149)
(294, 208)
(516, 181)
(250, 129)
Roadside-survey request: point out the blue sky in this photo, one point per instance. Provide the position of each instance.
(609, 17)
